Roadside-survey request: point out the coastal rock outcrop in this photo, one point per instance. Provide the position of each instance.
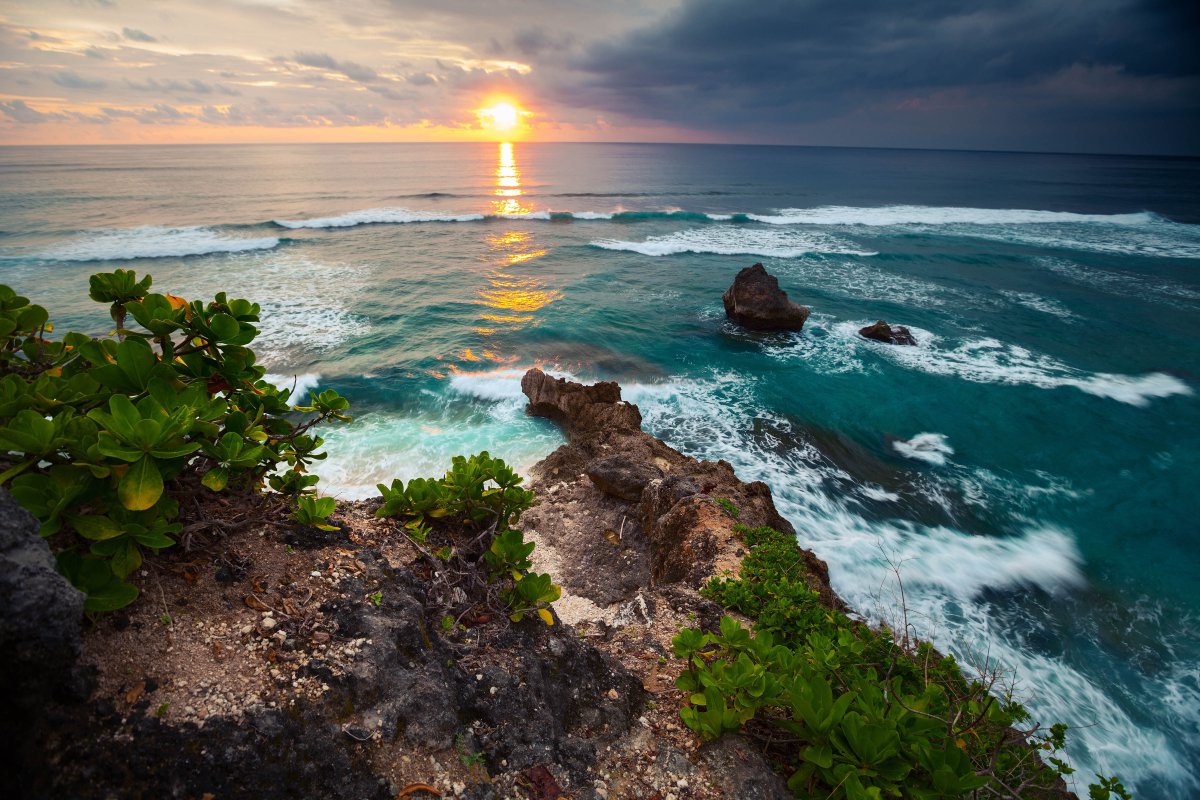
(41, 613)
(577, 408)
(755, 301)
(889, 334)
(669, 514)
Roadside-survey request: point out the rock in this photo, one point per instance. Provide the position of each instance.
(741, 770)
(578, 408)
(755, 301)
(40, 613)
(889, 334)
(622, 475)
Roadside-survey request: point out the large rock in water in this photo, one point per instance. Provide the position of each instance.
(755, 301)
(889, 334)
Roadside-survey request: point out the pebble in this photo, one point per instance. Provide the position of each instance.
(267, 624)
(612, 694)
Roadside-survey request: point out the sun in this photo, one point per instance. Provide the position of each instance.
(500, 116)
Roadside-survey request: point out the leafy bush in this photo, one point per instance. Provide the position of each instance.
(100, 438)
(314, 512)
(475, 491)
(867, 716)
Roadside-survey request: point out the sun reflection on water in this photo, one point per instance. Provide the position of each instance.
(510, 297)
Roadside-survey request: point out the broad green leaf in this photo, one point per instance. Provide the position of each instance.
(127, 558)
(216, 478)
(96, 527)
(142, 485)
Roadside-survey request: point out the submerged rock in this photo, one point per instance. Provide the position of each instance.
(889, 334)
(755, 301)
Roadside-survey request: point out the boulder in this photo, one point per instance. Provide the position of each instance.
(622, 475)
(755, 301)
(889, 334)
(41, 617)
(41, 613)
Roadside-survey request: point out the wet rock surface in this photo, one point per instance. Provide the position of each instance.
(888, 334)
(755, 301)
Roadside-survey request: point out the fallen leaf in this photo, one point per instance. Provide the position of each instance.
(253, 602)
(133, 694)
(258, 585)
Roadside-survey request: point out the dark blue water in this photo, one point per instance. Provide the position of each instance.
(1030, 467)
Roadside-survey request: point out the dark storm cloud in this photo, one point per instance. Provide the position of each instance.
(731, 64)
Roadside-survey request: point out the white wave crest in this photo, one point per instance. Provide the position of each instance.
(993, 361)
(1038, 303)
(931, 448)
(377, 216)
(939, 215)
(151, 241)
(737, 241)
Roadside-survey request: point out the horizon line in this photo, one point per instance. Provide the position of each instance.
(618, 141)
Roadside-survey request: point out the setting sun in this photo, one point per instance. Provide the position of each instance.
(500, 116)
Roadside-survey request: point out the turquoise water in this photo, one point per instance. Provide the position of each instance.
(1031, 468)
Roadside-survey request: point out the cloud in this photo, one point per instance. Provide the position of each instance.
(71, 80)
(134, 35)
(353, 71)
(19, 111)
(775, 64)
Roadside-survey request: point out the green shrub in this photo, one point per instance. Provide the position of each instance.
(869, 718)
(100, 438)
(478, 491)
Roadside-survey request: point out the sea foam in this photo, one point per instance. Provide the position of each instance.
(931, 448)
(989, 360)
(151, 241)
(374, 216)
(738, 241)
(939, 215)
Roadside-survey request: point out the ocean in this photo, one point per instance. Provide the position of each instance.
(1030, 470)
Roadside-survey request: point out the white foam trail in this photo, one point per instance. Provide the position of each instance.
(939, 215)
(373, 216)
(592, 214)
(737, 241)
(1038, 303)
(931, 448)
(300, 384)
(1120, 283)
(150, 241)
(993, 361)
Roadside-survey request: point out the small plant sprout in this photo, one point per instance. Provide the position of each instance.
(728, 505)
(313, 512)
(376, 598)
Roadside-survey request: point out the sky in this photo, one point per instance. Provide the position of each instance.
(1119, 76)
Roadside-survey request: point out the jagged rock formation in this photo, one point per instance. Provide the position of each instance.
(889, 334)
(755, 301)
(661, 504)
